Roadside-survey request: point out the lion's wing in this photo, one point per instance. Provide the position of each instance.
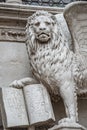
(76, 18)
(63, 25)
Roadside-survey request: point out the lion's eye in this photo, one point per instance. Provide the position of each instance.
(37, 24)
(47, 23)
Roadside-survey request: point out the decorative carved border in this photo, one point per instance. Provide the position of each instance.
(12, 35)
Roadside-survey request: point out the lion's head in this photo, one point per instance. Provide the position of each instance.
(41, 27)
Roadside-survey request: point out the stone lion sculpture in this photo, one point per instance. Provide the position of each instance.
(53, 63)
(51, 59)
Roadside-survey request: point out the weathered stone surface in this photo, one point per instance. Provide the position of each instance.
(66, 129)
(51, 61)
(77, 22)
(57, 67)
(20, 13)
(31, 128)
(68, 126)
(13, 108)
(13, 18)
(23, 82)
(62, 22)
(14, 63)
(14, 1)
(38, 105)
(69, 129)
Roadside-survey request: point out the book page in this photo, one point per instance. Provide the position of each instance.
(39, 105)
(13, 108)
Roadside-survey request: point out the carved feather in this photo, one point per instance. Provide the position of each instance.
(76, 18)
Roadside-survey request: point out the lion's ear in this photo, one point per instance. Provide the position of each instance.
(29, 21)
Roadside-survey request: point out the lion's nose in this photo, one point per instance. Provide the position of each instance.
(42, 27)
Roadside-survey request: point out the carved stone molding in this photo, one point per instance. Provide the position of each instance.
(12, 35)
(13, 19)
(14, 1)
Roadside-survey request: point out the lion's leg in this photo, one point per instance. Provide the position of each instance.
(68, 94)
(22, 82)
(66, 110)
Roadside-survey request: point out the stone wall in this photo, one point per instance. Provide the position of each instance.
(14, 62)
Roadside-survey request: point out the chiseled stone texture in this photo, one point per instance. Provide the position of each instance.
(82, 110)
(14, 73)
(69, 129)
(62, 22)
(14, 63)
(31, 128)
(13, 108)
(54, 64)
(38, 105)
(14, 1)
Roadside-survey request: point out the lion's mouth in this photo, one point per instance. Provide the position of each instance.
(43, 34)
(43, 37)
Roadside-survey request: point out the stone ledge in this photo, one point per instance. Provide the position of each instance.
(13, 18)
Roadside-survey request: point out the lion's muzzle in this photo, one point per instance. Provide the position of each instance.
(43, 37)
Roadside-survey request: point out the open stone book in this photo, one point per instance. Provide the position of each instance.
(28, 106)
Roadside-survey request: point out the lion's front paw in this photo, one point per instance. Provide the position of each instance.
(66, 120)
(16, 84)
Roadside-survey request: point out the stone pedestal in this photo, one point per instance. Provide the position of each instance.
(14, 1)
(68, 126)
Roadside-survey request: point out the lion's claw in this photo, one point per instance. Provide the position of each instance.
(16, 84)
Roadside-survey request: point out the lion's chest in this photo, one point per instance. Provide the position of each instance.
(48, 63)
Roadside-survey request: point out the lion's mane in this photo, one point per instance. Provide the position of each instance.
(50, 61)
(32, 42)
